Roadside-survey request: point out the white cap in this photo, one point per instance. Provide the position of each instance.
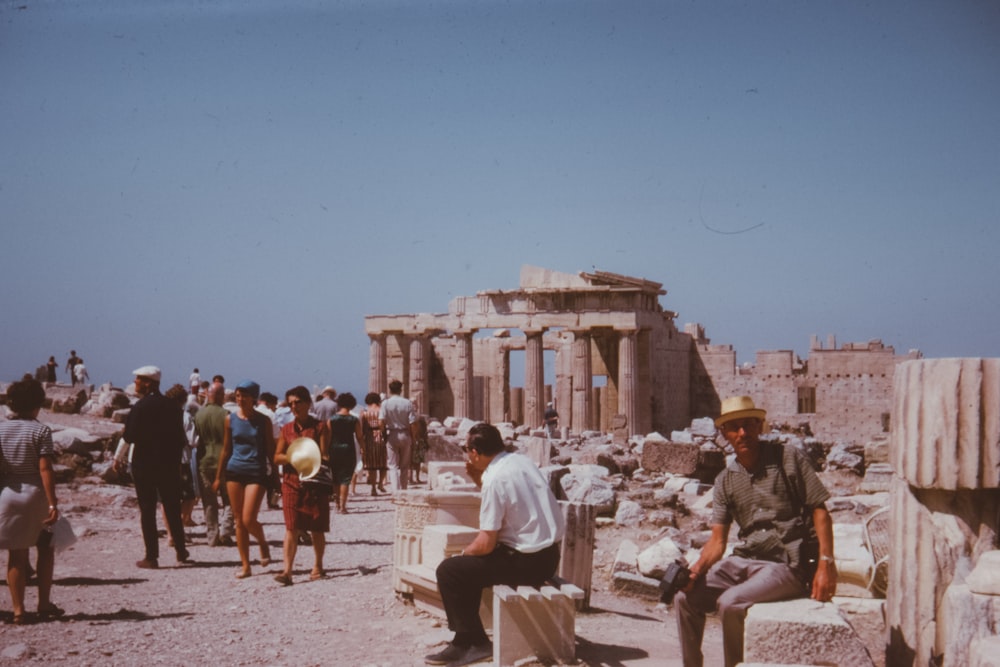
(151, 372)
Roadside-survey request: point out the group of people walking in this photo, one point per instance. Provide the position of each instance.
(238, 452)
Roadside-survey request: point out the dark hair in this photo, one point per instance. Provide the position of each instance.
(346, 401)
(219, 379)
(371, 398)
(177, 393)
(300, 393)
(268, 397)
(25, 396)
(485, 439)
(395, 387)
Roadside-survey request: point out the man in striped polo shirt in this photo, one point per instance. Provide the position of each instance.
(774, 495)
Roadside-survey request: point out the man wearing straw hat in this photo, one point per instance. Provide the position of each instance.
(774, 495)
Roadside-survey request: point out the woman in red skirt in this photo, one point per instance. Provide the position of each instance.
(306, 506)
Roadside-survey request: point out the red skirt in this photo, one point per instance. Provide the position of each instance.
(305, 506)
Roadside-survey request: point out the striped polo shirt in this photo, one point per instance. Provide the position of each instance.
(23, 442)
(768, 512)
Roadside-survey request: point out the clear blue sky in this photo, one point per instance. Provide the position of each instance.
(235, 185)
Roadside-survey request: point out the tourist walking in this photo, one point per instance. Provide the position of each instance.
(247, 446)
(70, 365)
(306, 507)
(50, 370)
(210, 425)
(155, 429)
(397, 420)
(373, 452)
(345, 428)
(27, 496)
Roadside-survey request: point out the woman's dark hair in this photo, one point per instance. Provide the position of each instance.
(300, 393)
(485, 439)
(371, 398)
(346, 401)
(25, 396)
(177, 393)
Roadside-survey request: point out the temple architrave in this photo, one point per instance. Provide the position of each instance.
(618, 357)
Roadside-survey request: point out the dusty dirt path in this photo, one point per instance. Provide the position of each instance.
(117, 614)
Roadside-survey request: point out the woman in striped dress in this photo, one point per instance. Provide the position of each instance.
(373, 445)
(28, 496)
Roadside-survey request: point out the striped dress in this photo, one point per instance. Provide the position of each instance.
(23, 505)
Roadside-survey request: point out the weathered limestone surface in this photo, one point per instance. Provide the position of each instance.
(802, 631)
(967, 617)
(945, 450)
(675, 457)
(985, 652)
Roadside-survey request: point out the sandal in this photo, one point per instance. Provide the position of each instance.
(265, 561)
(317, 574)
(50, 611)
(243, 574)
(283, 579)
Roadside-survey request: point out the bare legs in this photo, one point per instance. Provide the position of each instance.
(246, 501)
(17, 577)
(291, 546)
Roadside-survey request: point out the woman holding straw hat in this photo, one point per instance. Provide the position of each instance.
(302, 445)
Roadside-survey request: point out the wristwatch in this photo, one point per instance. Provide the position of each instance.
(828, 559)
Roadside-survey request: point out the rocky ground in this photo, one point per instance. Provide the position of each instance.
(117, 614)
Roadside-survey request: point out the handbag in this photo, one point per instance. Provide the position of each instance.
(322, 480)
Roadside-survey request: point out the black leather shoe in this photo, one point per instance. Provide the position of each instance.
(474, 653)
(450, 653)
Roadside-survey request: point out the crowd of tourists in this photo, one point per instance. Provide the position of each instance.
(232, 451)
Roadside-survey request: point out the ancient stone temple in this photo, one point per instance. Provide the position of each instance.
(618, 358)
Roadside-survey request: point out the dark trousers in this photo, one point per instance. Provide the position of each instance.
(461, 580)
(163, 483)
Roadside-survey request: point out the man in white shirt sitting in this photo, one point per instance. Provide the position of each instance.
(520, 528)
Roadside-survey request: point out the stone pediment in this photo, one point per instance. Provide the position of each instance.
(535, 278)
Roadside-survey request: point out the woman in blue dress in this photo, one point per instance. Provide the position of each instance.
(247, 446)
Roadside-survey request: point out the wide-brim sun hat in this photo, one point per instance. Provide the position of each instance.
(738, 407)
(303, 454)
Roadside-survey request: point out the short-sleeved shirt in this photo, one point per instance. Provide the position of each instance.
(518, 503)
(210, 424)
(23, 442)
(398, 413)
(768, 510)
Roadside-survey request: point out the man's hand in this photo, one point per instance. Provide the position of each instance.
(474, 473)
(824, 583)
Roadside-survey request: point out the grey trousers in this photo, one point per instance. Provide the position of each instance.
(731, 587)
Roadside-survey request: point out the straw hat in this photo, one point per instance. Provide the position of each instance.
(738, 407)
(303, 454)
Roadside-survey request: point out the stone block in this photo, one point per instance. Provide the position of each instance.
(635, 584)
(537, 624)
(985, 577)
(441, 541)
(802, 631)
(877, 451)
(673, 457)
(878, 478)
(985, 652)
(967, 617)
(626, 558)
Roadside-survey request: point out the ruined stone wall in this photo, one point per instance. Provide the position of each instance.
(843, 394)
(670, 379)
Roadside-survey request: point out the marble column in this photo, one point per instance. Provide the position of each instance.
(418, 374)
(463, 376)
(534, 379)
(377, 364)
(583, 381)
(627, 379)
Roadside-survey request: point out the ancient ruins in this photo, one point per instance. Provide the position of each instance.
(619, 358)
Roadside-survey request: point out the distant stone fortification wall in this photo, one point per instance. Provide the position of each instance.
(842, 393)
